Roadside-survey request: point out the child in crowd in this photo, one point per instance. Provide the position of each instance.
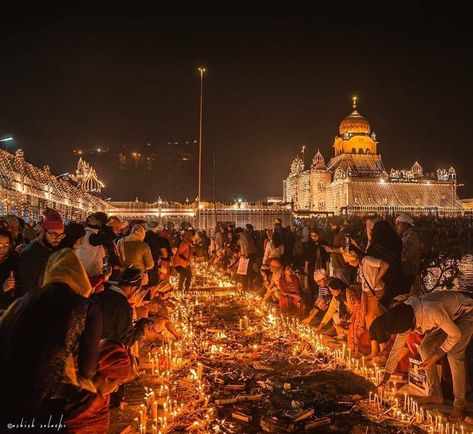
(323, 298)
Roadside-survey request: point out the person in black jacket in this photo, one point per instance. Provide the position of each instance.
(32, 261)
(117, 312)
(41, 333)
(8, 270)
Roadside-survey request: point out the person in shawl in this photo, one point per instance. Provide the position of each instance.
(41, 332)
(290, 299)
(88, 412)
(134, 252)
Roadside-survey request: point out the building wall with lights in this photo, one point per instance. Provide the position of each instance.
(25, 190)
(356, 181)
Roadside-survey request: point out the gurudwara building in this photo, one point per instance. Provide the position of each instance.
(355, 180)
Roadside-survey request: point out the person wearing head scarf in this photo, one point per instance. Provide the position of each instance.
(134, 252)
(160, 313)
(290, 292)
(34, 257)
(41, 331)
(385, 244)
(88, 412)
(446, 317)
(324, 297)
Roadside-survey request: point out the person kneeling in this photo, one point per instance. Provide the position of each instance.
(87, 412)
(158, 307)
(447, 319)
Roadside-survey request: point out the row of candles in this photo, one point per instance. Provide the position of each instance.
(166, 360)
(274, 323)
(409, 412)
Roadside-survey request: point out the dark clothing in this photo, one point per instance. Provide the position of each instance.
(38, 335)
(283, 237)
(6, 267)
(106, 238)
(316, 255)
(85, 412)
(337, 257)
(185, 277)
(31, 266)
(387, 246)
(117, 317)
(156, 244)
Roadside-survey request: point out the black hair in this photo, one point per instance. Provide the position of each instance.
(6, 233)
(398, 319)
(337, 284)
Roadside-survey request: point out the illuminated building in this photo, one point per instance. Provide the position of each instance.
(356, 181)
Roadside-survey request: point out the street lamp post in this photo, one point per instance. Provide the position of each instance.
(8, 139)
(202, 70)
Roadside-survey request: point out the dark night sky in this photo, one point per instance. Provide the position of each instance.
(277, 79)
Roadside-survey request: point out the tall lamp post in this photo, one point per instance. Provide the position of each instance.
(202, 70)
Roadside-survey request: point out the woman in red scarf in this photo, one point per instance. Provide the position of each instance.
(87, 412)
(290, 292)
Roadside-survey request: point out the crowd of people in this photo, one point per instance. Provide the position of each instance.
(364, 287)
(77, 299)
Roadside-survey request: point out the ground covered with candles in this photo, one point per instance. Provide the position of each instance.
(247, 369)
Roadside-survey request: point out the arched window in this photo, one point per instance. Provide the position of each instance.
(321, 186)
(360, 151)
(321, 204)
(368, 151)
(353, 150)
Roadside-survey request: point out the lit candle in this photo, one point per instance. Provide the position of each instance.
(255, 353)
(155, 411)
(199, 371)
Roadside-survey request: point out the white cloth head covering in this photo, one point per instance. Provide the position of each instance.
(405, 218)
(319, 274)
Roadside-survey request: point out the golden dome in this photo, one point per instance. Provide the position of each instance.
(355, 124)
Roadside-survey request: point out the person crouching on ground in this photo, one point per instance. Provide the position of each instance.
(323, 298)
(158, 308)
(87, 412)
(344, 311)
(41, 333)
(272, 285)
(290, 292)
(447, 319)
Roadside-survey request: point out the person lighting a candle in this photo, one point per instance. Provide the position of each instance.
(272, 287)
(447, 319)
(86, 411)
(370, 272)
(323, 298)
(158, 307)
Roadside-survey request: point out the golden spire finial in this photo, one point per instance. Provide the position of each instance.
(354, 102)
